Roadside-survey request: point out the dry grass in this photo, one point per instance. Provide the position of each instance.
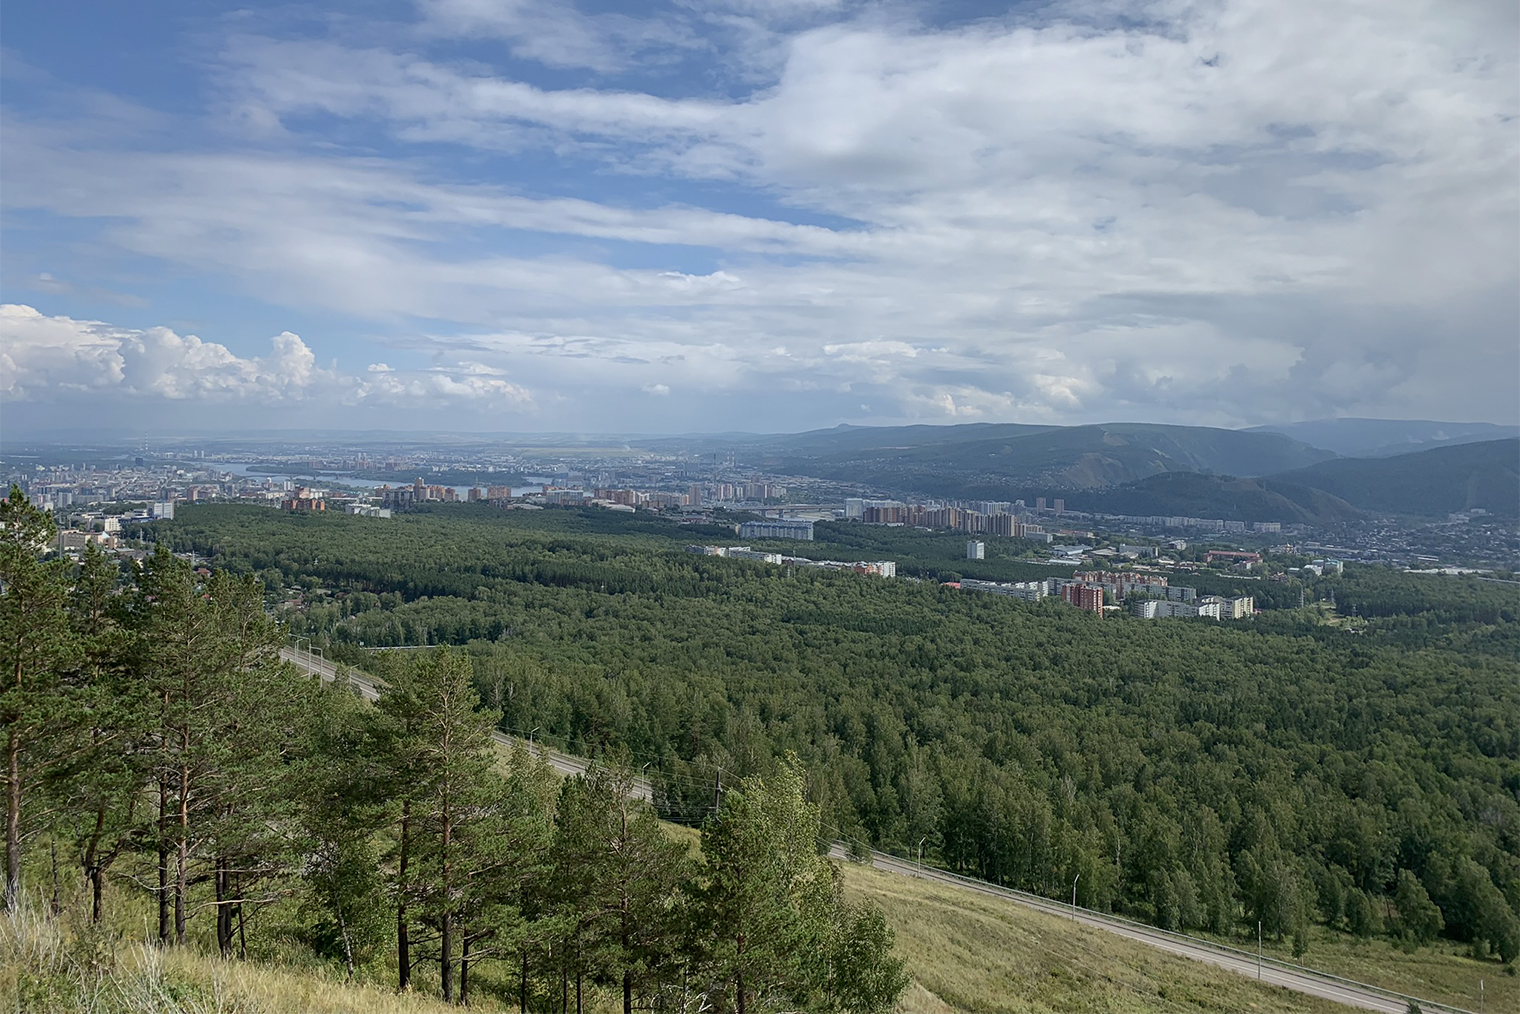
(65, 966)
(1443, 971)
(970, 952)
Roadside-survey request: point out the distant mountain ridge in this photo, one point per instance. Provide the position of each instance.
(991, 461)
(1430, 483)
(1189, 494)
(1152, 469)
(1425, 484)
(1369, 438)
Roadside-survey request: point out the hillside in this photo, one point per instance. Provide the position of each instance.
(965, 952)
(1220, 496)
(841, 439)
(970, 463)
(1429, 483)
(978, 954)
(1369, 438)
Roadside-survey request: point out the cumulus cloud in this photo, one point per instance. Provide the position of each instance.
(55, 358)
(1225, 211)
(45, 355)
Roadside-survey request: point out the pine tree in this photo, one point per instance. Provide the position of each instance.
(768, 898)
(508, 838)
(98, 782)
(619, 878)
(225, 721)
(35, 647)
(440, 763)
(342, 808)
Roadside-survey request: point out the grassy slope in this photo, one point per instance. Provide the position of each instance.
(1442, 971)
(966, 952)
(979, 954)
(974, 953)
(62, 967)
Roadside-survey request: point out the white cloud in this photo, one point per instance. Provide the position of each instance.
(46, 355)
(54, 358)
(1220, 212)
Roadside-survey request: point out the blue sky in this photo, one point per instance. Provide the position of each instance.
(530, 216)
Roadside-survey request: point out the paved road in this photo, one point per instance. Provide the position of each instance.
(368, 688)
(1329, 987)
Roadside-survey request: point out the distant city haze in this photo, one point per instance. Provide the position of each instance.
(669, 218)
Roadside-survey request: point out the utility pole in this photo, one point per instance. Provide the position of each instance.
(1074, 896)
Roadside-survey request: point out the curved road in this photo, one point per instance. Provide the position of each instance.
(1329, 987)
(1352, 994)
(369, 689)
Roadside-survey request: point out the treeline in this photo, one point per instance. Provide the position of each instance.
(1437, 598)
(1198, 775)
(157, 744)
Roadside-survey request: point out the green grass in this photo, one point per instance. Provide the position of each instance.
(64, 966)
(1443, 971)
(975, 953)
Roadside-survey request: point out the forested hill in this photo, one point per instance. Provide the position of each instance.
(1219, 496)
(972, 462)
(1429, 483)
(1193, 774)
(1374, 438)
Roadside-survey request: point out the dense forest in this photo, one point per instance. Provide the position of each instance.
(158, 748)
(1361, 772)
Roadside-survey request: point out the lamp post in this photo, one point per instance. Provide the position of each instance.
(1258, 950)
(921, 854)
(1074, 896)
(530, 735)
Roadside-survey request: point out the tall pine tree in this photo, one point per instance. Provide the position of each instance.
(36, 646)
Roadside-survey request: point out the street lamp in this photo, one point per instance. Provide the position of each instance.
(1074, 896)
(530, 735)
(921, 854)
(309, 664)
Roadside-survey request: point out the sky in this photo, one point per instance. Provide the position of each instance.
(530, 216)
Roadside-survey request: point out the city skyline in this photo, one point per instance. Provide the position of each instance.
(532, 217)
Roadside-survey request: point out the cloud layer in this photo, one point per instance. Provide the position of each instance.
(1224, 212)
(45, 357)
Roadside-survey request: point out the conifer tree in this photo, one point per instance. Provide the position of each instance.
(98, 782)
(441, 763)
(35, 647)
(342, 808)
(619, 878)
(225, 721)
(768, 899)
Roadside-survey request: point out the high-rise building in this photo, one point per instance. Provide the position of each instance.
(777, 530)
(1084, 596)
(1059, 505)
(1039, 503)
(976, 550)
